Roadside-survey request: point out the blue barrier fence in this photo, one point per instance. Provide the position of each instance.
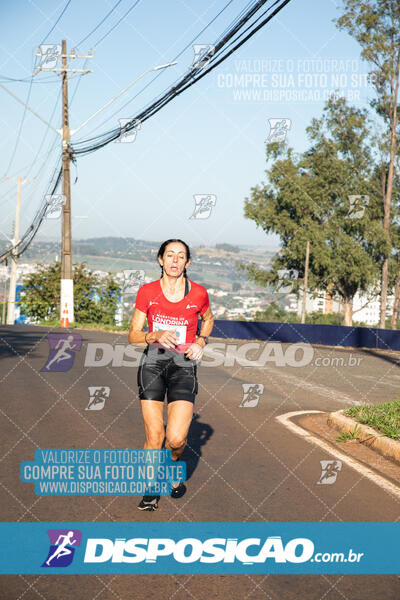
(326, 335)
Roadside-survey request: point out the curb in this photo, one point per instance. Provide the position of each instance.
(370, 437)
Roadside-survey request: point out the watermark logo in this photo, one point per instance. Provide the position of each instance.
(287, 274)
(286, 278)
(216, 354)
(128, 130)
(338, 361)
(194, 550)
(97, 397)
(133, 279)
(251, 394)
(291, 81)
(55, 203)
(62, 351)
(202, 55)
(330, 470)
(278, 130)
(63, 543)
(203, 205)
(49, 54)
(358, 204)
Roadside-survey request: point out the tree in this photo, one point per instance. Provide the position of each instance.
(326, 195)
(95, 300)
(394, 261)
(376, 27)
(274, 313)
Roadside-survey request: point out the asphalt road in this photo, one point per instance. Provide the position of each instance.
(242, 464)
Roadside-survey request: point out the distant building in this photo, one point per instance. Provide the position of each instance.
(366, 306)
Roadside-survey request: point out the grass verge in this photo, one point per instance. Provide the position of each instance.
(93, 326)
(385, 417)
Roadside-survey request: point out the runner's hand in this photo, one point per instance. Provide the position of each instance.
(195, 351)
(168, 339)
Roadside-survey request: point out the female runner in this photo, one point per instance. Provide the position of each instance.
(172, 306)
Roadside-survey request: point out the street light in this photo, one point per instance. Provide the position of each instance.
(122, 92)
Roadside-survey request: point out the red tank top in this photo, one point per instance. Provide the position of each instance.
(182, 316)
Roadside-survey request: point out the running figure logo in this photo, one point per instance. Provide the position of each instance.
(330, 471)
(62, 547)
(97, 397)
(278, 129)
(133, 279)
(251, 394)
(128, 130)
(358, 204)
(62, 351)
(203, 204)
(286, 276)
(202, 55)
(49, 54)
(55, 203)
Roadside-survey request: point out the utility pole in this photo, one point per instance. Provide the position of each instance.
(52, 55)
(67, 284)
(3, 318)
(305, 285)
(14, 254)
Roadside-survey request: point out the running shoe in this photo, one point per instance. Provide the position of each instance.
(148, 503)
(178, 489)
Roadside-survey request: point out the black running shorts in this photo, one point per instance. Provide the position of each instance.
(161, 370)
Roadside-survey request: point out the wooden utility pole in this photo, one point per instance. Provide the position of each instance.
(67, 287)
(305, 285)
(67, 284)
(3, 318)
(14, 254)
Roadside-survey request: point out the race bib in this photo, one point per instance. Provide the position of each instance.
(180, 330)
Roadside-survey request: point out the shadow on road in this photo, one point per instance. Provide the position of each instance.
(199, 434)
(394, 360)
(17, 340)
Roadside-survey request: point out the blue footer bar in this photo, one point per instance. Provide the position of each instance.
(200, 548)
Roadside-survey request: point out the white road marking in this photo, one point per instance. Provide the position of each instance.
(384, 483)
(316, 388)
(372, 378)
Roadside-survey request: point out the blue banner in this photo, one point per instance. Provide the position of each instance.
(326, 335)
(103, 472)
(201, 548)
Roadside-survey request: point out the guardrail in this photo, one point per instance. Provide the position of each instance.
(326, 335)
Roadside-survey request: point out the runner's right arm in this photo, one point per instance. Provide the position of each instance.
(137, 336)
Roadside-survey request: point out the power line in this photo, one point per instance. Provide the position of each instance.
(57, 21)
(173, 60)
(30, 90)
(74, 93)
(194, 74)
(97, 43)
(21, 123)
(233, 33)
(117, 23)
(26, 80)
(99, 24)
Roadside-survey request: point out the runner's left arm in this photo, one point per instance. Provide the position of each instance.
(194, 352)
(207, 324)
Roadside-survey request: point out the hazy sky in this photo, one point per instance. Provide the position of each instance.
(209, 140)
